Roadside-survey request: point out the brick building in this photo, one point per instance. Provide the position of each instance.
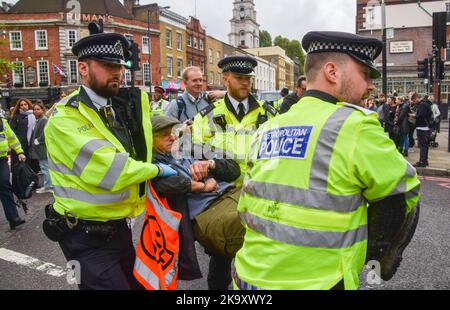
(410, 37)
(39, 35)
(196, 42)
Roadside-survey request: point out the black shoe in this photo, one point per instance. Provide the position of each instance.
(393, 256)
(421, 165)
(17, 222)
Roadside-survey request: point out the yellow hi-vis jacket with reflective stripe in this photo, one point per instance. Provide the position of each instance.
(92, 174)
(232, 142)
(314, 172)
(8, 139)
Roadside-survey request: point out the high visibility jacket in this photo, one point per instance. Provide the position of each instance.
(8, 139)
(156, 265)
(304, 204)
(218, 132)
(92, 174)
(158, 108)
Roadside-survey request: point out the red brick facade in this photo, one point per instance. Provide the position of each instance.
(195, 55)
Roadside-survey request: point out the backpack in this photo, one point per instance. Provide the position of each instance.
(181, 107)
(24, 180)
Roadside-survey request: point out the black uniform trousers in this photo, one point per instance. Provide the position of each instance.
(105, 264)
(6, 192)
(219, 272)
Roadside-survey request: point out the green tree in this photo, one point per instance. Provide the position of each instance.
(265, 39)
(293, 49)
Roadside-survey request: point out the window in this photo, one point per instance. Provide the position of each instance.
(169, 38)
(145, 45)
(147, 71)
(447, 6)
(202, 65)
(201, 45)
(217, 79)
(15, 40)
(128, 76)
(218, 57)
(179, 67)
(40, 39)
(18, 73)
(73, 71)
(179, 38)
(189, 63)
(211, 78)
(43, 73)
(210, 56)
(72, 37)
(195, 43)
(189, 40)
(169, 66)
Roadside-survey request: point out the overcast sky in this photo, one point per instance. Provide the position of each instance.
(289, 18)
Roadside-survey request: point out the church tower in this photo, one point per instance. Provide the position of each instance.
(244, 28)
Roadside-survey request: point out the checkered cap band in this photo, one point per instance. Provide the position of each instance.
(239, 66)
(115, 50)
(366, 50)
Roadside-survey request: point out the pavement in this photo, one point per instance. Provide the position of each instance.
(438, 158)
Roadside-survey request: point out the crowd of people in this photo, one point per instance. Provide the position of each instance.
(285, 189)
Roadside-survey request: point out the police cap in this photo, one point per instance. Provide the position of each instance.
(242, 65)
(159, 89)
(160, 123)
(363, 49)
(106, 47)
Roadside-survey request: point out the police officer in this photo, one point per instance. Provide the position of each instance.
(283, 93)
(225, 128)
(8, 139)
(316, 176)
(158, 106)
(99, 165)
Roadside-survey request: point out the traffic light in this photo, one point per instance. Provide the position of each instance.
(134, 59)
(440, 70)
(423, 69)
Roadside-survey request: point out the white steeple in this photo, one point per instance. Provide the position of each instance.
(244, 27)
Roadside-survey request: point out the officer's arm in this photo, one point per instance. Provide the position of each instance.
(13, 141)
(96, 161)
(383, 173)
(201, 134)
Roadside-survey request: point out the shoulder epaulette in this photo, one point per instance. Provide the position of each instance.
(207, 110)
(355, 107)
(269, 108)
(73, 102)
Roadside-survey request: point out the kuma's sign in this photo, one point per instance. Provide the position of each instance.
(286, 142)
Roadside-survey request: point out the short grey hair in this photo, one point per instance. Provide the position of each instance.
(189, 70)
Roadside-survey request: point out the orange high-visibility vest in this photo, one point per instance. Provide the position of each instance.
(156, 265)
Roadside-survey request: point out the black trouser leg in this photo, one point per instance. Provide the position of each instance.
(423, 137)
(104, 265)
(6, 193)
(219, 273)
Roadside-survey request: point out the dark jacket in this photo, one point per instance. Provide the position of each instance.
(19, 124)
(288, 102)
(403, 118)
(175, 189)
(424, 115)
(39, 151)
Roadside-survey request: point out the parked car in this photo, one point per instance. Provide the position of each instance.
(271, 96)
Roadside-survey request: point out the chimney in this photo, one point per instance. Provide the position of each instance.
(130, 4)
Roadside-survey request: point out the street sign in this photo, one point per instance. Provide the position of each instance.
(389, 33)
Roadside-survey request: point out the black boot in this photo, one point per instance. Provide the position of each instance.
(16, 222)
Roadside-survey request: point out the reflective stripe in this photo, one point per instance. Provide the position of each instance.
(249, 132)
(241, 284)
(312, 199)
(114, 172)
(172, 273)
(15, 145)
(402, 186)
(97, 199)
(410, 170)
(11, 138)
(163, 213)
(413, 193)
(324, 149)
(146, 274)
(304, 237)
(86, 153)
(59, 167)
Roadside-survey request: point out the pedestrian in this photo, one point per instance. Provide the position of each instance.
(22, 123)
(8, 140)
(193, 100)
(294, 98)
(158, 106)
(403, 125)
(225, 130)
(99, 165)
(198, 185)
(283, 93)
(436, 114)
(424, 118)
(38, 151)
(381, 109)
(315, 177)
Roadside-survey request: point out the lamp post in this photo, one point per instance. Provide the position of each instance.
(383, 29)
